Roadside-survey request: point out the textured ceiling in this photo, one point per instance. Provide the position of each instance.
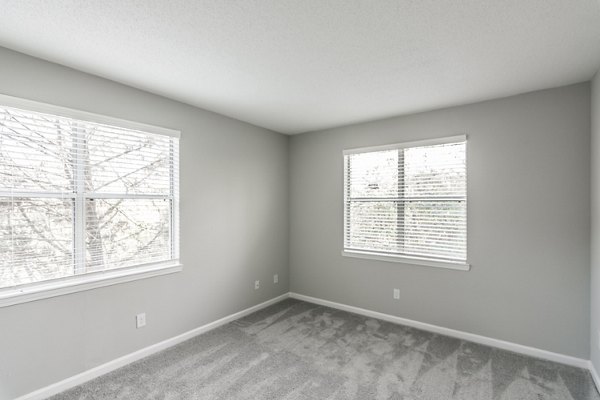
(301, 65)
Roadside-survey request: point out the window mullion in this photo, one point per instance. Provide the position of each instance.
(400, 205)
(172, 225)
(79, 186)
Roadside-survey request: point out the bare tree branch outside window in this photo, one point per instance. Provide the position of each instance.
(51, 167)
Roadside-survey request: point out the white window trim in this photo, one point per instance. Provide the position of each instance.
(381, 256)
(405, 145)
(56, 287)
(372, 255)
(45, 108)
(78, 283)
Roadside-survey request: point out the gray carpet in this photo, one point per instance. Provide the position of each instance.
(297, 350)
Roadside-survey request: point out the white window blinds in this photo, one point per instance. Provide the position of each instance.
(408, 200)
(79, 197)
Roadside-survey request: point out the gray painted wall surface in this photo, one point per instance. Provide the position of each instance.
(528, 222)
(234, 229)
(595, 229)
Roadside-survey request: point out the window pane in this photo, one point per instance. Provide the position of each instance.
(50, 169)
(436, 228)
(35, 152)
(374, 174)
(126, 232)
(36, 240)
(124, 161)
(408, 201)
(373, 225)
(434, 171)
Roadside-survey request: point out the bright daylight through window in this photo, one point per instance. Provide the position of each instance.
(407, 201)
(83, 197)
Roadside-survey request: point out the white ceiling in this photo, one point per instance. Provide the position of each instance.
(302, 65)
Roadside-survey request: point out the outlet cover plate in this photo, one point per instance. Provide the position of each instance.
(140, 320)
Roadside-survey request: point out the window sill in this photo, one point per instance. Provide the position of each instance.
(44, 290)
(406, 260)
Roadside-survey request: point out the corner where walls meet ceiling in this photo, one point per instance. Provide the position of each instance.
(297, 66)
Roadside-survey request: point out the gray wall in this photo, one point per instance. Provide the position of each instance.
(528, 227)
(595, 231)
(234, 229)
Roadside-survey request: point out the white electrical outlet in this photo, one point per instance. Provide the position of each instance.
(140, 320)
(256, 285)
(396, 294)
(275, 278)
(598, 340)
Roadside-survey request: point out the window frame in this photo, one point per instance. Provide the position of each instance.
(90, 280)
(388, 256)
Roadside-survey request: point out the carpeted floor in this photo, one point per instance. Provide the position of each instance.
(297, 350)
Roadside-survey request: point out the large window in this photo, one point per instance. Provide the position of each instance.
(408, 202)
(80, 197)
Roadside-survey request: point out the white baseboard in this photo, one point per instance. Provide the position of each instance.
(146, 351)
(501, 344)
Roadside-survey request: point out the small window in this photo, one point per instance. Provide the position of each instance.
(407, 201)
(80, 197)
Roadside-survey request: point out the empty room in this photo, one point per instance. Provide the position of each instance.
(300, 200)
